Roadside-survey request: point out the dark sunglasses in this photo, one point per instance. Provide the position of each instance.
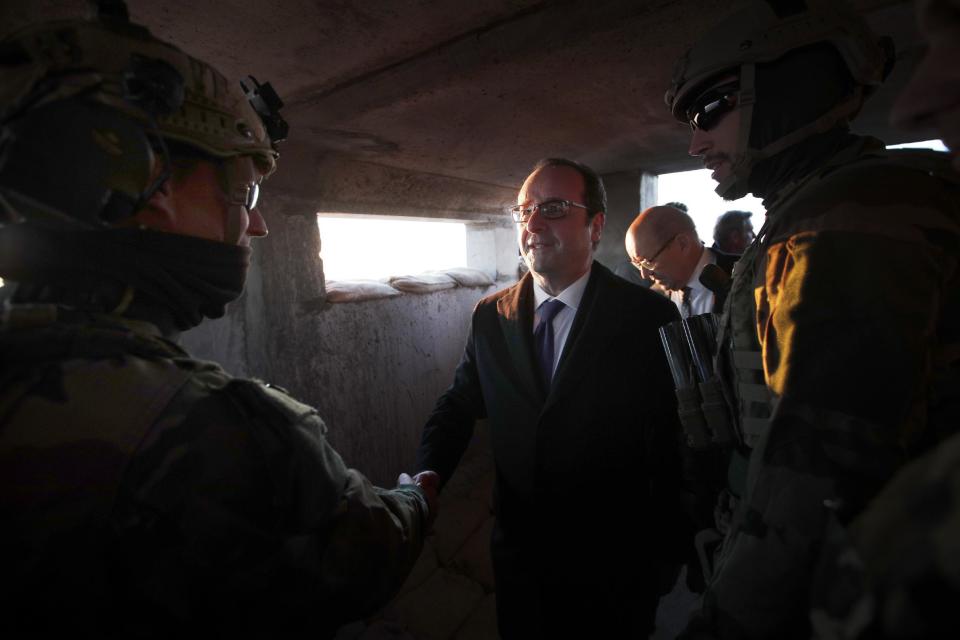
(707, 110)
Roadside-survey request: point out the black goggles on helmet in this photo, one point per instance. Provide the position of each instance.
(710, 107)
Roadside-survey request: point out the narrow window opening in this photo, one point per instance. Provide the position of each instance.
(357, 247)
(936, 145)
(696, 190)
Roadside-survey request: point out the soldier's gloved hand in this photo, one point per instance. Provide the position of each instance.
(429, 482)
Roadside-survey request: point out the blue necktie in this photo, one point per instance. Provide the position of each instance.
(543, 339)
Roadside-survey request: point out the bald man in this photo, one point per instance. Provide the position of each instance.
(663, 244)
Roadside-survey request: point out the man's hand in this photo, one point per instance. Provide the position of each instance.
(429, 482)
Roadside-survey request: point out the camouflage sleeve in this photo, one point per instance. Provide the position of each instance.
(845, 318)
(359, 547)
(237, 507)
(889, 573)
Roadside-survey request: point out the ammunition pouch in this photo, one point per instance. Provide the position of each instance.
(704, 411)
(716, 410)
(754, 397)
(692, 418)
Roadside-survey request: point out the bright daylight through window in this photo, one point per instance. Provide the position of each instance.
(696, 190)
(357, 247)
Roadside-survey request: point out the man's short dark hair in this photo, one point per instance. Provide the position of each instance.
(678, 205)
(730, 221)
(595, 195)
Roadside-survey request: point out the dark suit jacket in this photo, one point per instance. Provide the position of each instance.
(587, 471)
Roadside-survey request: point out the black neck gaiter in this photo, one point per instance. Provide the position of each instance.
(176, 280)
(792, 92)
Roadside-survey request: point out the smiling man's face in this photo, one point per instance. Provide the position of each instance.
(557, 251)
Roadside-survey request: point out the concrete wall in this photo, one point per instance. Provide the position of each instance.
(492, 248)
(335, 182)
(373, 369)
(628, 193)
(623, 202)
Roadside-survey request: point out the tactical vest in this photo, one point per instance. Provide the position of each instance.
(79, 396)
(739, 358)
(46, 365)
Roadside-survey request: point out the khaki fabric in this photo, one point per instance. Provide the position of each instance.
(145, 493)
(857, 312)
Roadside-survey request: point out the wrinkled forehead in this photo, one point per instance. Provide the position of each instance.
(645, 244)
(557, 182)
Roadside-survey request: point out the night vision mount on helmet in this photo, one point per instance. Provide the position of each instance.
(85, 106)
(762, 32)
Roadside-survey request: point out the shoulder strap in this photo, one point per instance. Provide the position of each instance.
(259, 399)
(933, 163)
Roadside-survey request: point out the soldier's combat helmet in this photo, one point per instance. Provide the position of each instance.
(86, 105)
(762, 32)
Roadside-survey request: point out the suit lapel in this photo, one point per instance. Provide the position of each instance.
(515, 314)
(597, 322)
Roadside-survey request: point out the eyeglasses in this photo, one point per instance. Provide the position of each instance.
(551, 210)
(246, 195)
(709, 109)
(649, 264)
(239, 183)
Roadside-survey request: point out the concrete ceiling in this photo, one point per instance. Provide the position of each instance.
(467, 89)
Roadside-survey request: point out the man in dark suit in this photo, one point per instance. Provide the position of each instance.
(586, 476)
(663, 244)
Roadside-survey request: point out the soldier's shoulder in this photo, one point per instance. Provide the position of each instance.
(241, 423)
(891, 179)
(884, 176)
(262, 400)
(248, 398)
(890, 195)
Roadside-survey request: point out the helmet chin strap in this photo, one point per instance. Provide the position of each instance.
(745, 158)
(734, 186)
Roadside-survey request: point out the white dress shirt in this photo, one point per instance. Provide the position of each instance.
(701, 298)
(563, 321)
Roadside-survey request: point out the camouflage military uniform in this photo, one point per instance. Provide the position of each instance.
(855, 297)
(146, 493)
(893, 572)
